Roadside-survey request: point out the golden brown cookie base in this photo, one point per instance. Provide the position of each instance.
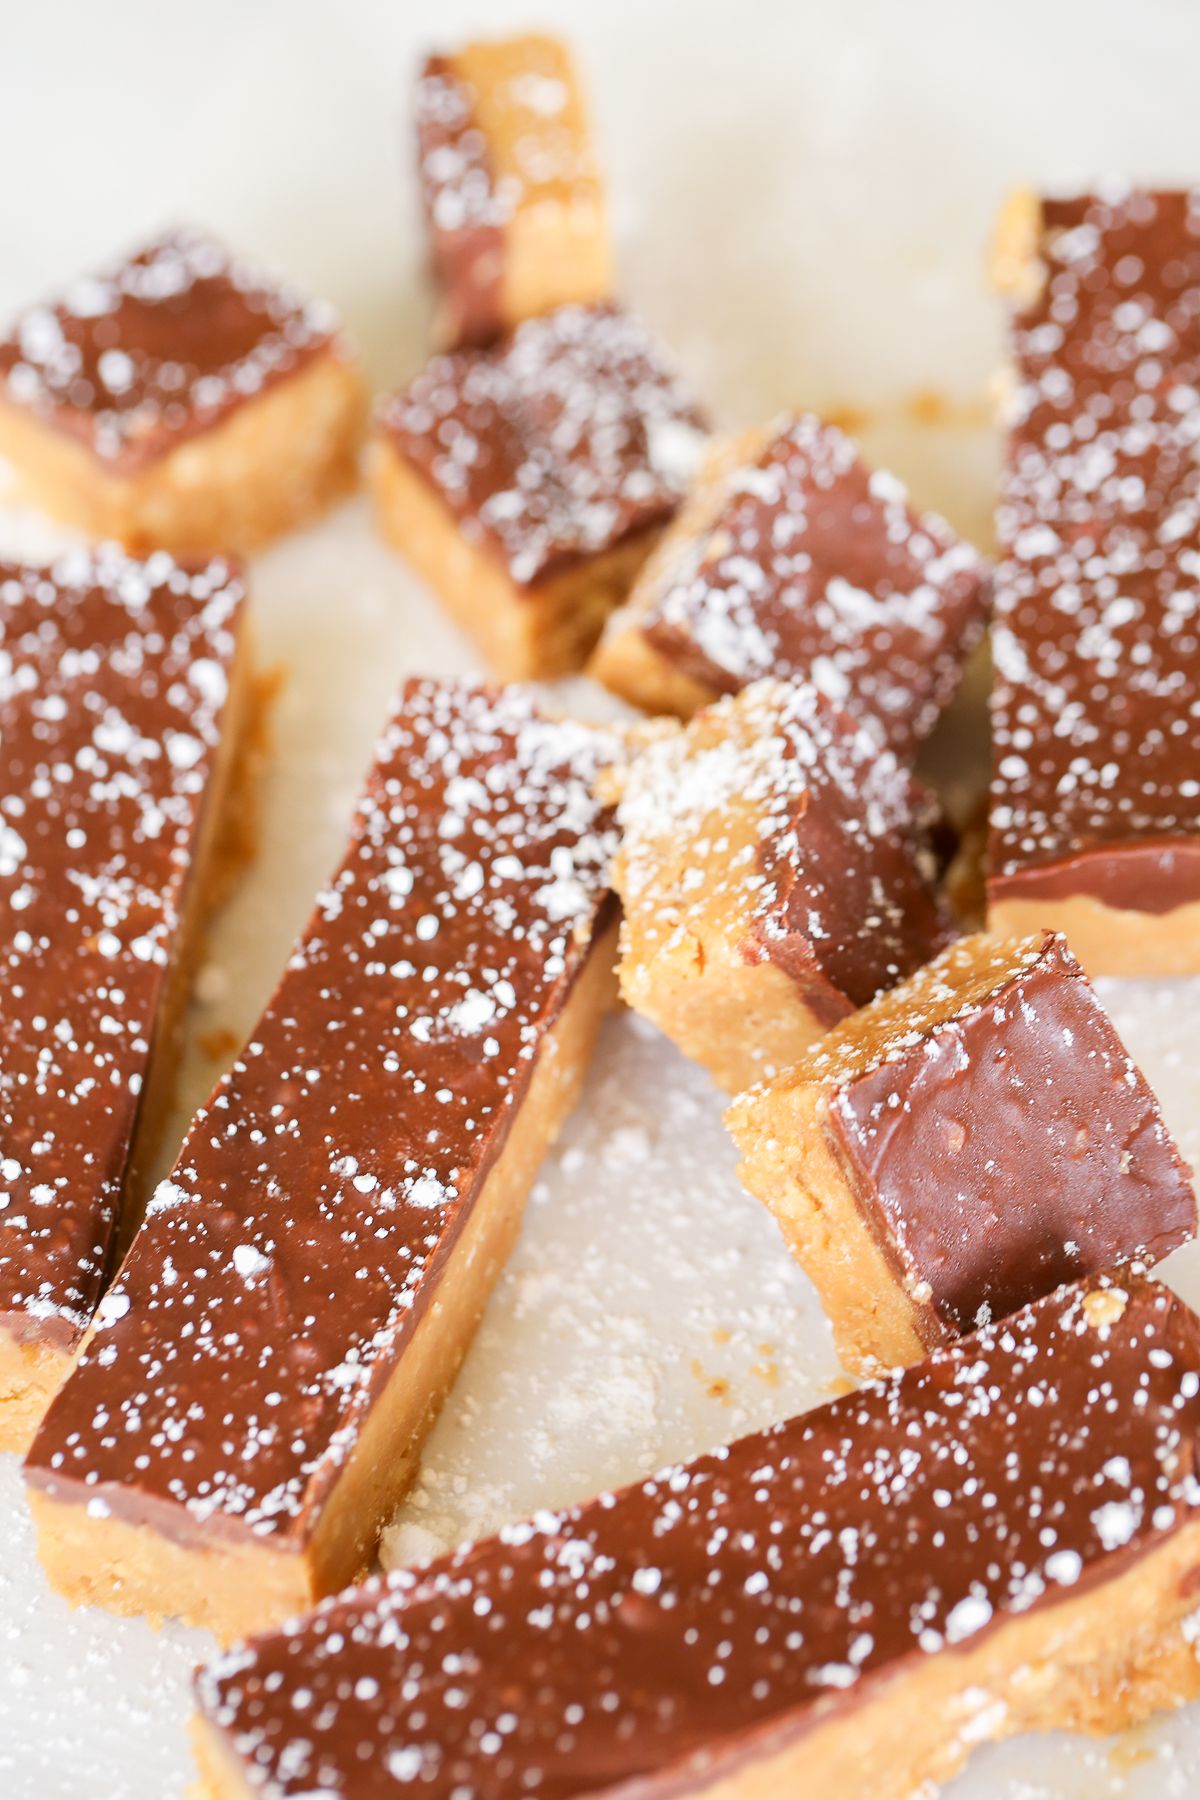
(523, 634)
(237, 1587)
(790, 1164)
(1110, 940)
(741, 1021)
(31, 1373)
(273, 463)
(630, 667)
(1041, 1671)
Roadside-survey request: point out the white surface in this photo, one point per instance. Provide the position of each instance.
(803, 192)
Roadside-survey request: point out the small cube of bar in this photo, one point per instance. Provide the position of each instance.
(1003, 1539)
(528, 483)
(179, 399)
(250, 1405)
(125, 707)
(791, 558)
(776, 873)
(1095, 815)
(511, 186)
(960, 1147)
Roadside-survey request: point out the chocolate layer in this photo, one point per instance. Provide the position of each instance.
(816, 568)
(569, 437)
(465, 209)
(113, 680)
(1013, 1146)
(1096, 709)
(151, 350)
(663, 1635)
(319, 1195)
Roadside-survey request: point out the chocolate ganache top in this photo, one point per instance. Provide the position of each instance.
(138, 357)
(1096, 709)
(841, 889)
(113, 680)
(571, 435)
(814, 567)
(1025, 1077)
(651, 1640)
(320, 1193)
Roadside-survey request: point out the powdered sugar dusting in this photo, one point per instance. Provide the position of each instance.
(157, 346)
(811, 566)
(320, 1193)
(98, 821)
(545, 448)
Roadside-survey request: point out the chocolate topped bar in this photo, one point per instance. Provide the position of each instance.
(796, 560)
(146, 353)
(770, 837)
(114, 698)
(1096, 778)
(387, 1113)
(570, 437)
(910, 1547)
(510, 185)
(910, 1122)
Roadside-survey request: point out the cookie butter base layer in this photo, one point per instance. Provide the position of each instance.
(273, 462)
(742, 1020)
(1059, 1667)
(524, 634)
(32, 1369)
(628, 665)
(1109, 940)
(237, 1585)
(875, 1323)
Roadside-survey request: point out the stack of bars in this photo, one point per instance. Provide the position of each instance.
(223, 1386)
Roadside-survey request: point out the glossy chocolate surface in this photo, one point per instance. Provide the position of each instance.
(816, 568)
(140, 356)
(1013, 1146)
(569, 437)
(1096, 709)
(661, 1636)
(320, 1194)
(113, 681)
(840, 889)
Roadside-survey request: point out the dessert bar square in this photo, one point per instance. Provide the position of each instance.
(1003, 1539)
(251, 1403)
(776, 872)
(511, 187)
(793, 559)
(180, 399)
(125, 696)
(960, 1147)
(1095, 818)
(528, 483)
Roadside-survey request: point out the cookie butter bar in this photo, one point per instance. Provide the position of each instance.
(528, 483)
(776, 873)
(960, 1147)
(1005, 1538)
(179, 399)
(249, 1407)
(510, 184)
(124, 695)
(1095, 824)
(793, 559)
